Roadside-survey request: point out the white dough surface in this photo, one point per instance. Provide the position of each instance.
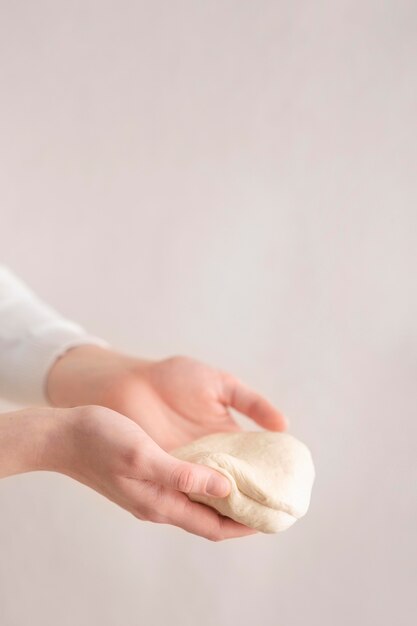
(271, 476)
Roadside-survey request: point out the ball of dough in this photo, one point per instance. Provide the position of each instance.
(271, 476)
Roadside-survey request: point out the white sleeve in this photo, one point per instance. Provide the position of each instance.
(32, 336)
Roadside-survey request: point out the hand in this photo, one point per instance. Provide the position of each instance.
(115, 457)
(175, 400)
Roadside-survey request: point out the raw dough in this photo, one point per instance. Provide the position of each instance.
(271, 476)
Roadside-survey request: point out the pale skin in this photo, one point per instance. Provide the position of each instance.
(113, 420)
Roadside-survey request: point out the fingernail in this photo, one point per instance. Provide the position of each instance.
(218, 486)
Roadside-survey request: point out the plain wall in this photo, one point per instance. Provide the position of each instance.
(235, 181)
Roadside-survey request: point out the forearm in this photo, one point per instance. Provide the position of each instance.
(32, 439)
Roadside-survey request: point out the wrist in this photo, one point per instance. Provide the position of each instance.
(33, 439)
(83, 375)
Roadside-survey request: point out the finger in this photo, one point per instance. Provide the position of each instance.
(175, 508)
(231, 529)
(153, 502)
(184, 476)
(255, 406)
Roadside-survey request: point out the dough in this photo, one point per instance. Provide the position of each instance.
(271, 475)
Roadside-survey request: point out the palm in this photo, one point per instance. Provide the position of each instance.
(179, 399)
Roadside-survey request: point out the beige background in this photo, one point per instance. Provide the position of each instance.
(235, 181)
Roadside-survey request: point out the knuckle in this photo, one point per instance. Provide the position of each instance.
(215, 533)
(153, 515)
(97, 409)
(141, 513)
(214, 537)
(183, 479)
(89, 411)
(230, 386)
(157, 518)
(255, 404)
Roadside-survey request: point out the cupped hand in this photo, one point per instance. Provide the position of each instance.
(114, 456)
(175, 400)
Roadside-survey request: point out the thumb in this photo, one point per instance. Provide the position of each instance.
(188, 477)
